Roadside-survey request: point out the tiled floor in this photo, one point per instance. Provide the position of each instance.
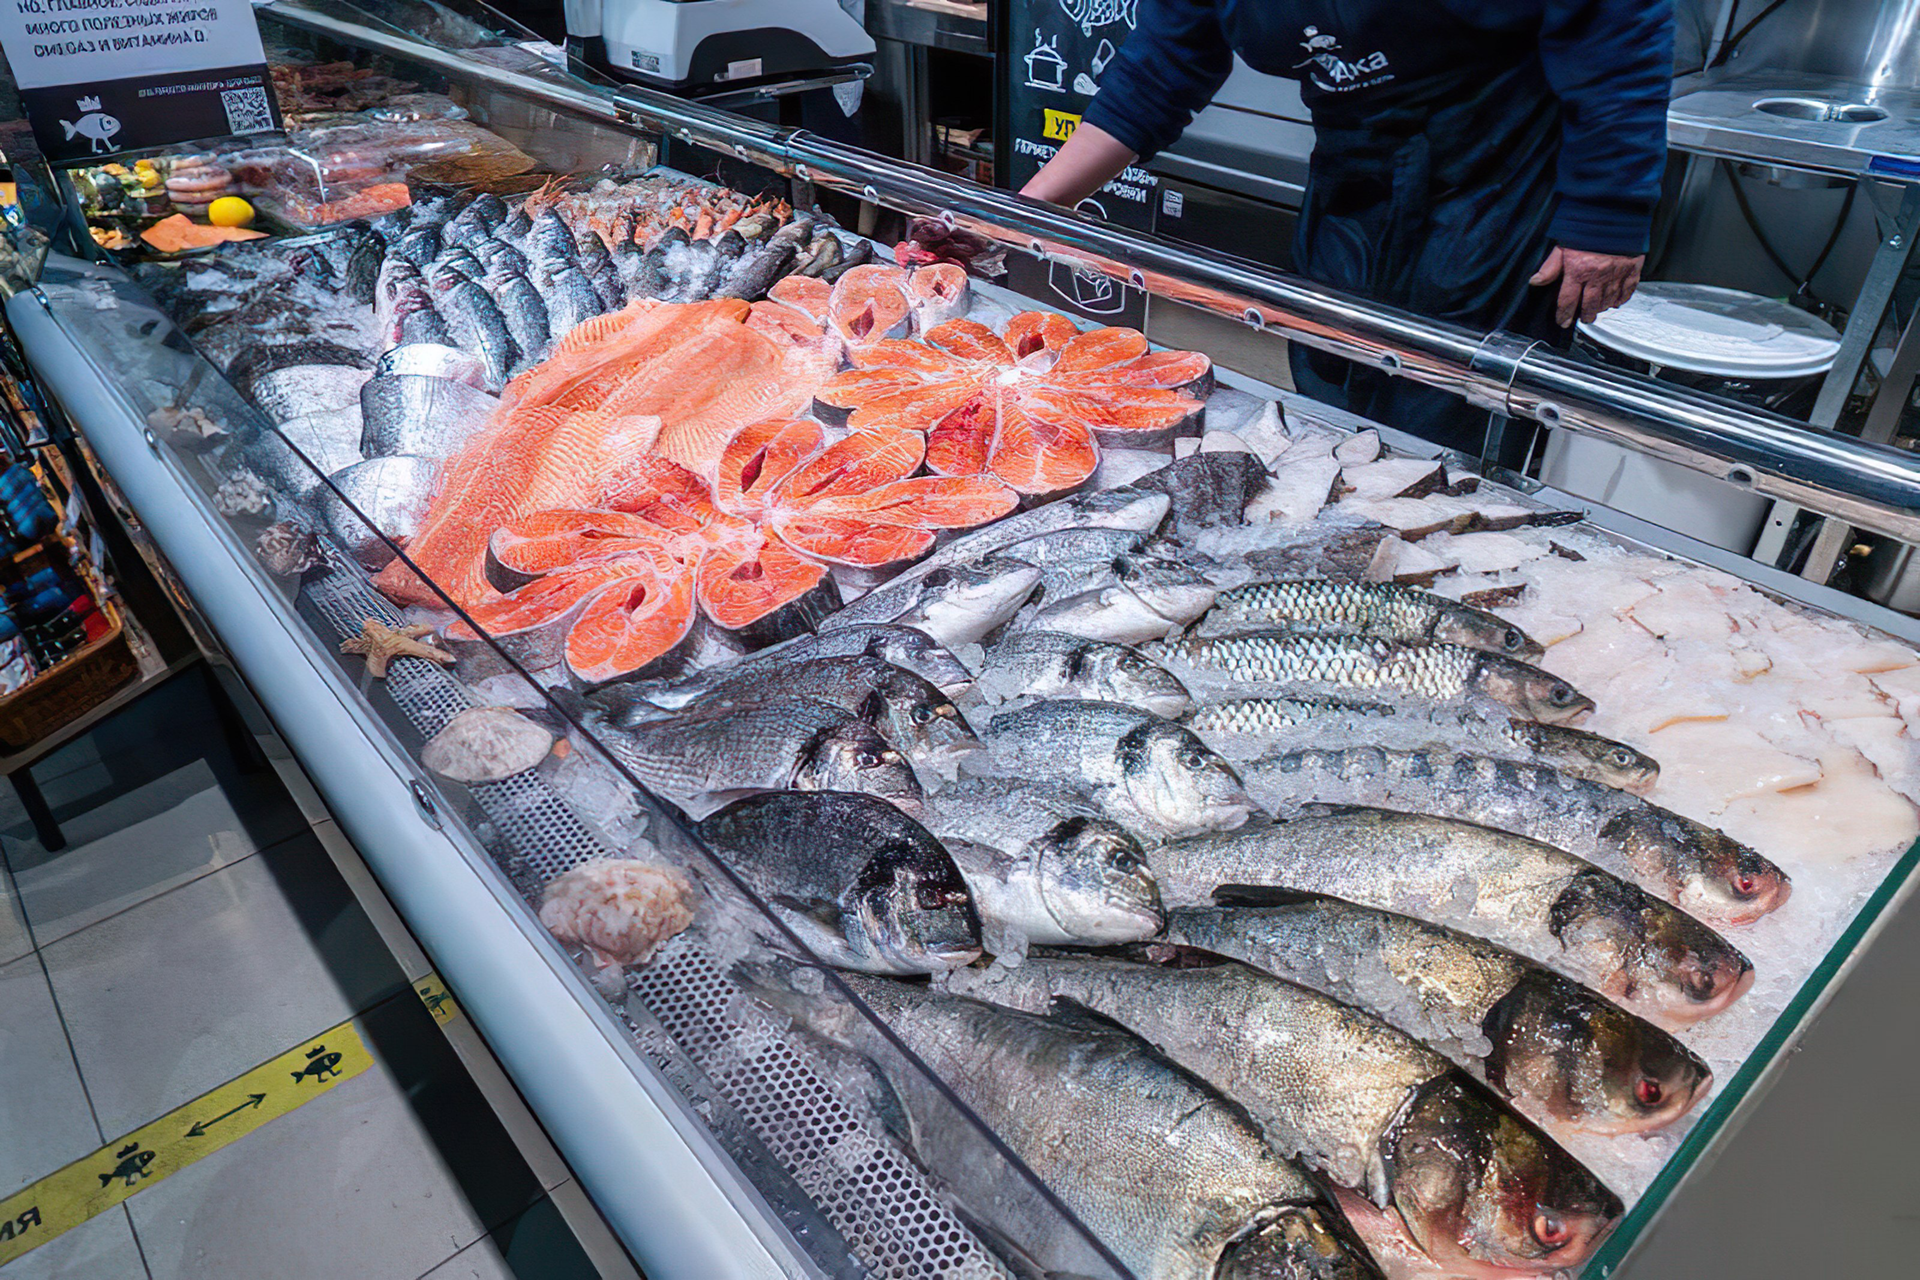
(193, 927)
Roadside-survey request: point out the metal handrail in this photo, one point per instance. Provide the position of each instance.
(1873, 486)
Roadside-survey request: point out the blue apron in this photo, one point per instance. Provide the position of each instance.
(1431, 185)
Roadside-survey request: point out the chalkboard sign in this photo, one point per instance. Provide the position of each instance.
(1055, 53)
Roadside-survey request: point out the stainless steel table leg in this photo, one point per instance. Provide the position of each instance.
(1883, 423)
(1869, 309)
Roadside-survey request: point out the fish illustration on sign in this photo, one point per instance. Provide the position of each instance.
(132, 1167)
(94, 125)
(1101, 13)
(320, 1065)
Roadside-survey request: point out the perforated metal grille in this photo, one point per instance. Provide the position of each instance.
(880, 1204)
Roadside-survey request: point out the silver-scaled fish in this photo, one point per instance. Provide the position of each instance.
(956, 604)
(1418, 669)
(1052, 664)
(863, 885)
(1226, 725)
(1169, 1176)
(1129, 599)
(1384, 609)
(1567, 1057)
(1044, 864)
(910, 713)
(1369, 1107)
(1526, 896)
(798, 743)
(1706, 872)
(1103, 509)
(915, 651)
(1147, 773)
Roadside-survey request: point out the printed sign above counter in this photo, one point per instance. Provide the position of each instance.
(102, 77)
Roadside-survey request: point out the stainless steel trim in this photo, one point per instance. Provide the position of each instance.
(594, 1095)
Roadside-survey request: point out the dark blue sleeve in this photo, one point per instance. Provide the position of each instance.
(1171, 65)
(1610, 62)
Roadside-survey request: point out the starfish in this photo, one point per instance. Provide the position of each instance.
(382, 644)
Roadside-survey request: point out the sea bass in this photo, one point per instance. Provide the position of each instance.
(1167, 1174)
(910, 713)
(1706, 872)
(1526, 896)
(798, 743)
(1147, 773)
(955, 604)
(1575, 752)
(1384, 609)
(1565, 1056)
(1128, 599)
(1427, 670)
(1052, 664)
(1368, 1106)
(904, 647)
(1041, 861)
(862, 884)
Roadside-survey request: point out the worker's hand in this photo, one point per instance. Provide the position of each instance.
(1589, 282)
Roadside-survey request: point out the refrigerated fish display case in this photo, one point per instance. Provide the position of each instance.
(538, 510)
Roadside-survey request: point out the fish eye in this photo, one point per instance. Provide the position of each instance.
(865, 759)
(922, 714)
(1561, 695)
(1125, 863)
(1648, 1090)
(1192, 757)
(1513, 639)
(1550, 1229)
(1621, 757)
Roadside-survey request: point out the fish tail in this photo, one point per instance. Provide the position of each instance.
(68, 126)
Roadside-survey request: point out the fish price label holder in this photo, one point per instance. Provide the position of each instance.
(123, 1168)
(102, 77)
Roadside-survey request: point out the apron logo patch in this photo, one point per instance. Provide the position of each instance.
(1334, 74)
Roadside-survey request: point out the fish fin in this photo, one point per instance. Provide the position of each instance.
(822, 912)
(1261, 895)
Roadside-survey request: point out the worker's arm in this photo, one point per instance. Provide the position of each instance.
(1171, 65)
(1091, 159)
(1610, 63)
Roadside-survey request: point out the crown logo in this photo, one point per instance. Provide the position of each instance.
(89, 104)
(128, 1150)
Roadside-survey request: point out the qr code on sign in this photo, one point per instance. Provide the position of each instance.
(247, 110)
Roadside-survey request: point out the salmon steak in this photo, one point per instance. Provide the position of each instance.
(609, 590)
(1031, 407)
(674, 380)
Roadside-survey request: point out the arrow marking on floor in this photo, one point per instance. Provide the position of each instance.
(200, 1127)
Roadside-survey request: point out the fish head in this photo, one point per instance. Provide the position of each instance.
(1171, 589)
(853, 757)
(1535, 694)
(922, 719)
(1095, 881)
(1138, 681)
(1592, 1064)
(911, 911)
(961, 603)
(1477, 629)
(917, 651)
(1590, 756)
(1179, 782)
(1707, 872)
(1304, 1242)
(1140, 510)
(1656, 959)
(1479, 1188)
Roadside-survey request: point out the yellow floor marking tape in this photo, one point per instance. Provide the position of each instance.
(433, 993)
(95, 1183)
